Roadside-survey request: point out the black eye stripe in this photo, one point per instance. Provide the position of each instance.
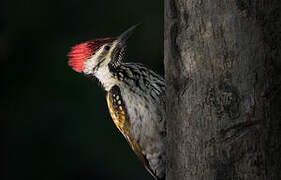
(98, 65)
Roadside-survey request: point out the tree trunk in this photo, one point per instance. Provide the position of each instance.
(223, 69)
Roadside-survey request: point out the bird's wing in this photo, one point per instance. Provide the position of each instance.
(118, 112)
(120, 118)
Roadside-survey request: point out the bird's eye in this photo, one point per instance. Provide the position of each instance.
(107, 47)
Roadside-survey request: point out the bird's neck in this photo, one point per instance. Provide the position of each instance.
(106, 78)
(124, 73)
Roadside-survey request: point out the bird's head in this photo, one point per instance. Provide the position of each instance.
(97, 55)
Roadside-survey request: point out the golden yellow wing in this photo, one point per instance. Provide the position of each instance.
(120, 118)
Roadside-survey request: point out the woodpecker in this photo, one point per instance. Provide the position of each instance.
(134, 95)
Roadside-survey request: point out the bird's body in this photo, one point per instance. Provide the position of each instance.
(136, 108)
(135, 98)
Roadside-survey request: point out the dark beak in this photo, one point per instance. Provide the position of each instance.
(123, 38)
(118, 52)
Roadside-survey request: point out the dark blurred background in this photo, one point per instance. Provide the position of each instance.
(55, 122)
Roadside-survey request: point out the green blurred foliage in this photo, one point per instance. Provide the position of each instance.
(55, 122)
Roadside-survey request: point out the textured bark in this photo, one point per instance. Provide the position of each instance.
(223, 69)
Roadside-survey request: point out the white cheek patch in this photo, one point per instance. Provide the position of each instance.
(92, 62)
(101, 72)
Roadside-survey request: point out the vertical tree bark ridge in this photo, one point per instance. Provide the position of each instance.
(222, 69)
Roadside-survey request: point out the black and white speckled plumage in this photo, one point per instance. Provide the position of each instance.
(135, 97)
(142, 91)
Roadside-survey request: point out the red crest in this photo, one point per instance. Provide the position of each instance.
(81, 52)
